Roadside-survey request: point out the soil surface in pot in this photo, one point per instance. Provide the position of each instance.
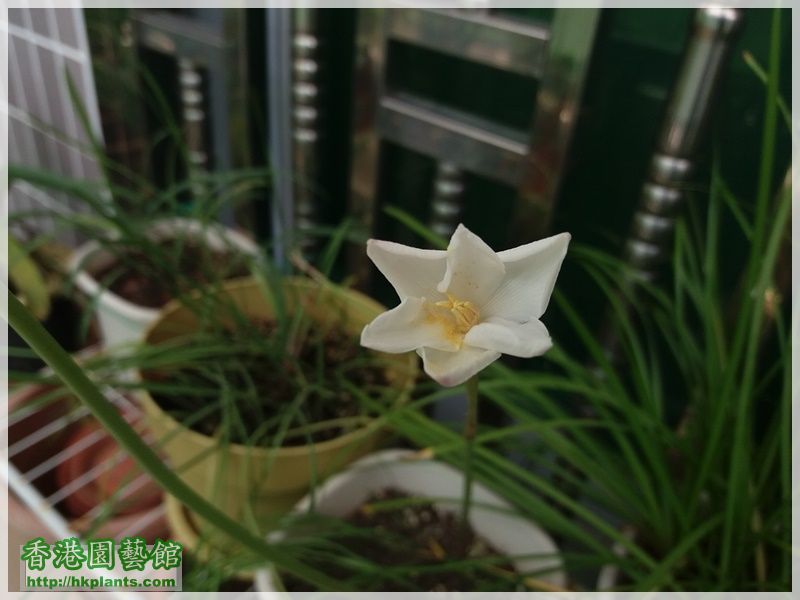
(416, 541)
(136, 277)
(270, 381)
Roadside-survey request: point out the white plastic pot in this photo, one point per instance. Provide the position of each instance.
(490, 516)
(121, 321)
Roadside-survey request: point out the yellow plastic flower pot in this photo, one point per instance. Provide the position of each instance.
(257, 484)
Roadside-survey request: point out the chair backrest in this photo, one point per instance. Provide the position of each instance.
(691, 101)
(530, 160)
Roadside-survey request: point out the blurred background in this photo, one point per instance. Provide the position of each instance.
(516, 122)
(520, 123)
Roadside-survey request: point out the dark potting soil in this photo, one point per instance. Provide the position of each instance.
(134, 277)
(277, 384)
(411, 538)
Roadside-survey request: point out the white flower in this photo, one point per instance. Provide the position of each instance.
(460, 309)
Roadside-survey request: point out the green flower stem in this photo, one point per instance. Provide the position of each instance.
(470, 429)
(71, 374)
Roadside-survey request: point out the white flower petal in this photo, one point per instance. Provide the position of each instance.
(406, 327)
(473, 269)
(509, 337)
(412, 271)
(531, 272)
(454, 368)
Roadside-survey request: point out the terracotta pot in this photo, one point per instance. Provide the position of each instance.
(23, 523)
(109, 481)
(23, 398)
(247, 481)
(491, 517)
(148, 513)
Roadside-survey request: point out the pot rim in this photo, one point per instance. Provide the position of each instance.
(162, 229)
(153, 410)
(267, 579)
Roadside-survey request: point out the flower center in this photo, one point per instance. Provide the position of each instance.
(464, 312)
(457, 317)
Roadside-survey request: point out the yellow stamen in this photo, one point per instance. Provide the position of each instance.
(457, 318)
